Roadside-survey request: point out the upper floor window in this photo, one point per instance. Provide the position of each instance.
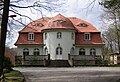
(59, 35)
(45, 36)
(58, 51)
(59, 21)
(72, 35)
(87, 36)
(83, 25)
(25, 51)
(92, 51)
(31, 36)
(82, 51)
(36, 51)
(38, 25)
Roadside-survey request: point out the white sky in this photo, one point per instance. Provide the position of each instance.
(72, 8)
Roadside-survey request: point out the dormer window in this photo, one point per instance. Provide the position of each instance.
(83, 25)
(38, 24)
(87, 36)
(31, 36)
(59, 21)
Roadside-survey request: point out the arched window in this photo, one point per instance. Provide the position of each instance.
(72, 51)
(92, 51)
(59, 35)
(36, 51)
(25, 51)
(72, 36)
(45, 36)
(58, 51)
(82, 51)
(46, 51)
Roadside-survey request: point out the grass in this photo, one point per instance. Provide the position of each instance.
(14, 76)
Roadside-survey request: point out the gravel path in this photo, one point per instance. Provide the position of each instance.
(72, 74)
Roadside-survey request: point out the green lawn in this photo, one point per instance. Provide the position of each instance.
(14, 76)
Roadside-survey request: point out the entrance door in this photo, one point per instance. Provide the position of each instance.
(59, 53)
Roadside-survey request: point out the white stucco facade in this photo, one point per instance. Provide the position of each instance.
(66, 42)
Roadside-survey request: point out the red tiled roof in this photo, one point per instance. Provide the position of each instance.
(50, 23)
(23, 39)
(31, 27)
(88, 28)
(55, 23)
(95, 39)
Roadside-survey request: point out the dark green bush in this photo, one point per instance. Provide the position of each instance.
(7, 63)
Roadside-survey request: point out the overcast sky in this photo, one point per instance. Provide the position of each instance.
(72, 8)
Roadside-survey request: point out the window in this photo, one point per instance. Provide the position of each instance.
(36, 51)
(83, 25)
(31, 36)
(46, 51)
(72, 51)
(72, 35)
(82, 51)
(45, 36)
(59, 21)
(87, 36)
(25, 51)
(92, 51)
(38, 24)
(58, 51)
(59, 35)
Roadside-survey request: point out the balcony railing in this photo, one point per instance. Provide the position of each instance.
(82, 57)
(38, 57)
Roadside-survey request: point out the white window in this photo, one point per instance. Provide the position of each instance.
(59, 35)
(58, 51)
(36, 51)
(92, 51)
(87, 36)
(31, 36)
(59, 21)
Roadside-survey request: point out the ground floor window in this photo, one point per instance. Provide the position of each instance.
(82, 51)
(92, 51)
(36, 51)
(25, 51)
(58, 51)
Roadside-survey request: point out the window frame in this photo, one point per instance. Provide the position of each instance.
(36, 52)
(45, 36)
(92, 51)
(59, 51)
(81, 51)
(87, 36)
(31, 36)
(59, 35)
(72, 36)
(25, 51)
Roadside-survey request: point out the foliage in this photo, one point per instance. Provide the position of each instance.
(6, 63)
(14, 76)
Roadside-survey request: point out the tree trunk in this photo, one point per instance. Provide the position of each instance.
(3, 32)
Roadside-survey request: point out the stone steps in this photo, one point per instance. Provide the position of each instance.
(58, 63)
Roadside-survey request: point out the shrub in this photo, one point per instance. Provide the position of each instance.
(7, 63)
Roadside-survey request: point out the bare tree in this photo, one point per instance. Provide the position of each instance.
(111, 16)
(29, 7)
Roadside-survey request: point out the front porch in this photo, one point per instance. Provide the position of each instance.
(44, 60)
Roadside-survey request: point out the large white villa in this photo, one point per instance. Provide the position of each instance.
(59, 36)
